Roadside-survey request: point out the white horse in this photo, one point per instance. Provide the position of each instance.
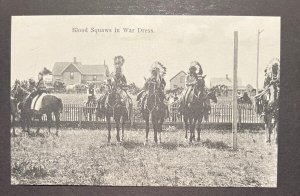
(71, 88)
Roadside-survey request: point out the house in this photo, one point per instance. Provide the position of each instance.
(178, 81)
(76, 73)
(228, 82)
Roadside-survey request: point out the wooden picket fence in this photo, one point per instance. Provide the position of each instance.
(220, 113)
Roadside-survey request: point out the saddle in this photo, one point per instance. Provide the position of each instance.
(36, 103)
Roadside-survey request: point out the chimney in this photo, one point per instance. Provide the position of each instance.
(104, 62)
(227, 76)
(75, 60)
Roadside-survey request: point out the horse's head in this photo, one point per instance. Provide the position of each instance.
(19, 93)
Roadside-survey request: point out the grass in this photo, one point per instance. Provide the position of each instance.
(83, 157)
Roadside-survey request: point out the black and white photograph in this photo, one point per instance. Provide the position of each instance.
(140, 100)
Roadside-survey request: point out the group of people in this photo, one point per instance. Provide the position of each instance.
(117, 81)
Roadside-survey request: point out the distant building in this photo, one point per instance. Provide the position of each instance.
(227, 81)
(178, 81)
(77, 73)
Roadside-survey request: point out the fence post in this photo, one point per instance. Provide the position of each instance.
(80, 108)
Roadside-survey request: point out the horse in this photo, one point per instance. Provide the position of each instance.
(116, 106)
(14, 113)
(49, 104)
(194, 109)
(154, 109)
(266, 106)
(71, 88)
(211, 95)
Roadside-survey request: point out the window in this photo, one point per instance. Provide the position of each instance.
(71, 75)
(94, 78)
(175, 86)
(182, 78)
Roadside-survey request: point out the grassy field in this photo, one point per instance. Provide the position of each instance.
(83, 157)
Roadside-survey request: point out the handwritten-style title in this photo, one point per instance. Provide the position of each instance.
(111, 30)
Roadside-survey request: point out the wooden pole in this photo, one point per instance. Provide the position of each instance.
(257, 63)
(234, 93)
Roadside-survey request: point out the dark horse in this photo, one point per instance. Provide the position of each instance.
(154, 109)
(118, 107)
(49, 104)
(267, 104)
(194, 112)
(14, 113)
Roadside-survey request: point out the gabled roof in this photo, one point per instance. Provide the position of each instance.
(60, 67)
(177, 75)
(93, 69)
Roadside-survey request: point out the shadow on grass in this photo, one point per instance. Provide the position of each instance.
(131, 144)
(168, 145)
(216, 145)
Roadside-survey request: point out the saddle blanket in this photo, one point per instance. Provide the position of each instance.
(36, 103)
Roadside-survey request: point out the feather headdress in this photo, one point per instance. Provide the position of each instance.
(159, 67)
(119, 61)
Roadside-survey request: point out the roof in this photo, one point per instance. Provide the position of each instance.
(223, 81)
(92, 69)
(177, 75)
(59, 68)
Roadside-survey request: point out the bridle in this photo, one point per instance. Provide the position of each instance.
(155, 91)
(109, 105)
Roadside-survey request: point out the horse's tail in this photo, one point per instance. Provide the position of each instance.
(60, 105)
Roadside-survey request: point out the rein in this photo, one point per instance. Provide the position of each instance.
(155, 102)
(112, 106)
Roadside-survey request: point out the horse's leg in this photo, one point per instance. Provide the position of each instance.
(186, 125)
(39, 125)
(160, 127)
(108, 127)
(199, 128)
(192, 129)
(117, 120)
(154, 123)
(123, 126)
(147, 127)
(268, 129)
(49, 122)
(57, 122)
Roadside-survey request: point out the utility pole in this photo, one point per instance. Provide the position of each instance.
(257, 63)
(234, 93)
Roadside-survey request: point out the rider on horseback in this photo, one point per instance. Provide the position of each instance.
(156, 78)
(117, 81)
(193, 83)
(37, 90)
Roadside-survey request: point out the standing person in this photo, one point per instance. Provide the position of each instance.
(91, 94)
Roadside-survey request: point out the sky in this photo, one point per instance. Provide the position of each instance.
(175, 41)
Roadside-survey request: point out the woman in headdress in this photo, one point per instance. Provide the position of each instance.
(117, 80)
(158, 72)
(191, 80)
